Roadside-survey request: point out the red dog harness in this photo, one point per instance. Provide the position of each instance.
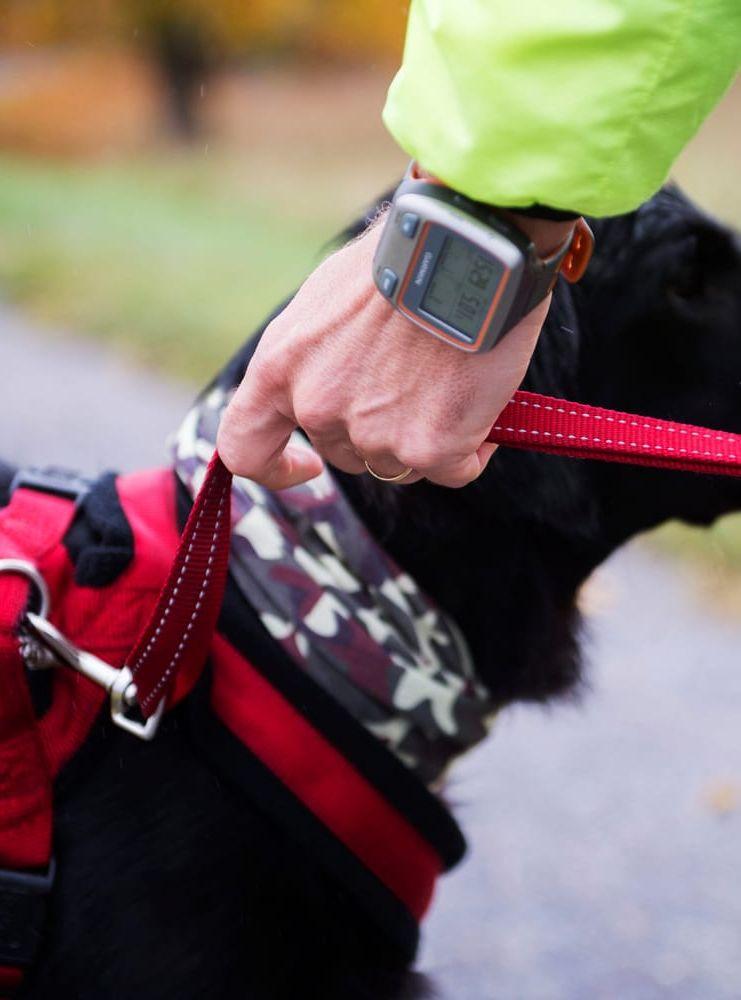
(393, 838)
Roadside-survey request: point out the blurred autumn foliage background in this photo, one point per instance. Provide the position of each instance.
(177, 47)
(170, 170)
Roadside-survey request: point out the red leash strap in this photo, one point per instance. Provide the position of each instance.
(178, 636)
(555, 426)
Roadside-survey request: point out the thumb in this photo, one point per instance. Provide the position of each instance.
(253, 441)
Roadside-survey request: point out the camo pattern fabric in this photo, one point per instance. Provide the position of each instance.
(344, 611)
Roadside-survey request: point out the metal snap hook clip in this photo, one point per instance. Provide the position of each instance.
(118, 682)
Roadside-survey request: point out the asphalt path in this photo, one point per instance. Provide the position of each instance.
(605, 837)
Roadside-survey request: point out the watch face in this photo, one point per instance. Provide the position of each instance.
(461, 285)
(453, 284)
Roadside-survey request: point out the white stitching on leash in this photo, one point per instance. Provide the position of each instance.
(658, 429)
(196, 609)
(661, 449)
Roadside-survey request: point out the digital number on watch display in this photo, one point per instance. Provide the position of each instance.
(461, 286)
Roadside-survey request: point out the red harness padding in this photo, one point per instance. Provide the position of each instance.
(29, 532)
(25, 775)
(175, 624)
(101, 621)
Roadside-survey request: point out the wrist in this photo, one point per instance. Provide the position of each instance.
(546, 234)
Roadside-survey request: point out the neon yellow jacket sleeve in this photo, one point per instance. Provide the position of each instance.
(575, 104)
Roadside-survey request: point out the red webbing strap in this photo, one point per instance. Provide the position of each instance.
(178, 635)
(542, 423)
(321, 777)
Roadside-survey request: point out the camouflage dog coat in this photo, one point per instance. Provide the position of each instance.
(344, 611)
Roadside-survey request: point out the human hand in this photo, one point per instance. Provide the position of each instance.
(365, 384)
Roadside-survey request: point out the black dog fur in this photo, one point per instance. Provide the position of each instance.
(171, 884)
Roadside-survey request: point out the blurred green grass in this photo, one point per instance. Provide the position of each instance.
(162, 258)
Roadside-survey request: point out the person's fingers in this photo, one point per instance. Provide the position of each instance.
(484, 452)
(253, 441)
(338, 452)
(387, 466)
(383, 464)
(379, 456)
(457, 473)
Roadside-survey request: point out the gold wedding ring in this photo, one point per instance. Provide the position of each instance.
(390, 479)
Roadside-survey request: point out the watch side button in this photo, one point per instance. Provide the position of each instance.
(388, 282)
(408, 224)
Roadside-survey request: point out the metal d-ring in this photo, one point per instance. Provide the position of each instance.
(23, 568)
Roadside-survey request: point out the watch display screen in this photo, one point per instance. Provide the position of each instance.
(461, 287)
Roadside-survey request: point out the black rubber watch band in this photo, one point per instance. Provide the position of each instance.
(545, 275)
(544, 212)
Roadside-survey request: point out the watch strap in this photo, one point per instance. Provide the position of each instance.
(545, 212)
(570, 259)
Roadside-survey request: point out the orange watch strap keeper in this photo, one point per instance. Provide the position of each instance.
(577, 257)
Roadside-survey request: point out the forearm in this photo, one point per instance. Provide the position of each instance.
(581, 105)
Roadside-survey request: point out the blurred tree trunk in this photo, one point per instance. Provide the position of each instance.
(184, 61)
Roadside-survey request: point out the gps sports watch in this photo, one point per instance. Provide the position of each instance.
(461, 271)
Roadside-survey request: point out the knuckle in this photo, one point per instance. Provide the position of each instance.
(230, 449)
(347, 460)
(423, 453)
(315, 416)
(268, 372)
(366, 447)
(251, 396)
(236, 415)
(367, 442)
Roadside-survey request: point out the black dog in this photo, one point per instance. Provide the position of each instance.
(170, 883)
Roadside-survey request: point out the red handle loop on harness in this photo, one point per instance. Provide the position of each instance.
(178, 636)
(555, 426)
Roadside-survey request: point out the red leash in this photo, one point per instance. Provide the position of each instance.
(555, 426)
